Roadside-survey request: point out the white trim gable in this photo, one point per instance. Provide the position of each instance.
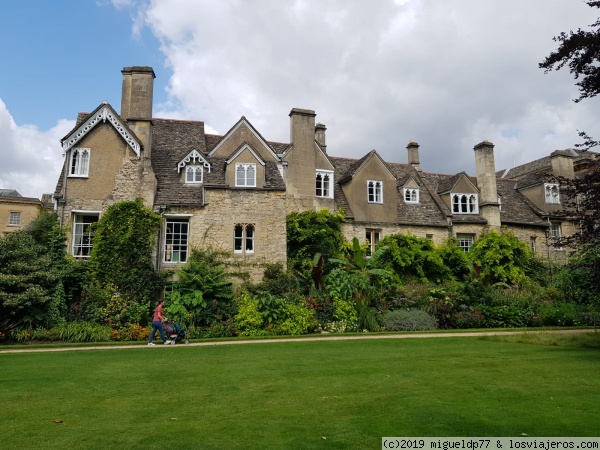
(194, 156)
(102, 115)
(240, 150)
(243, 121)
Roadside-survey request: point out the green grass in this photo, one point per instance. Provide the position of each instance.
(300, 395)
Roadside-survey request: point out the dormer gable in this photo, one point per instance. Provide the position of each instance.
(245, 168)
(371, 161)
(243, 132)
(104, 113)
(410, 190)
(460, 193)
(193, 166)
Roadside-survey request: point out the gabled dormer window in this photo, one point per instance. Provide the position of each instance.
(194, 174)
(411, 195)
(245, 175)
(465, 204)
(79, 164)
(324, 184)
(551, 193)
(375, 191)
(194, 165)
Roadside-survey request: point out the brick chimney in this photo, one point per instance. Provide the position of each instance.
(413, 154)
(485, 167)
(320, 130)
(562, 164)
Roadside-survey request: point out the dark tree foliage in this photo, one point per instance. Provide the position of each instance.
(580, 50)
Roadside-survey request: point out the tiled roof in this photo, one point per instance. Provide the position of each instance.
(9, 193)
(515, 207)
(172, 140)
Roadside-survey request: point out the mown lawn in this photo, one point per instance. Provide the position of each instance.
(297, 395)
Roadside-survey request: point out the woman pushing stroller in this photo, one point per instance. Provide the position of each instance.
(157, 323)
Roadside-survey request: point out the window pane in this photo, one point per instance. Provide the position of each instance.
(176, 240)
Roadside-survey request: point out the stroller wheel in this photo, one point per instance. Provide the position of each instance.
(187, 341)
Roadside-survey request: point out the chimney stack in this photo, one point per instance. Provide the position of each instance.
(562, 164)
(136, 96)
(320, 130)
(485, 167)
(413, 154)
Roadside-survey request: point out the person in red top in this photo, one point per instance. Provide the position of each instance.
(157, 323)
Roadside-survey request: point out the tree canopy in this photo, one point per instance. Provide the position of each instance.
(580, 50)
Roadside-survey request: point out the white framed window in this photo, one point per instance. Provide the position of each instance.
(532, 244)
(551, 193)
(83, 235)
(375, 191)
(465, 204)
(500, 203)
(14, 218)
(465, 241)
(324, 184)
(194, 174)
(245, 175)
(176, 239)
(411, 195)
(79, 164)
(372, 236)
(243, 238)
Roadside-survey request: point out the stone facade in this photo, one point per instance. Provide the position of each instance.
(233, 192)
(16, 211)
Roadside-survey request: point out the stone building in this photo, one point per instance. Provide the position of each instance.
(16, 211)
(233, 192)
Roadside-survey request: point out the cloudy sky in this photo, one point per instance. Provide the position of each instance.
(447, 74)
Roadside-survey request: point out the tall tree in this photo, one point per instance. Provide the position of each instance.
(580, 50)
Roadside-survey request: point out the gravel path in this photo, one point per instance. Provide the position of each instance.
(301, 339)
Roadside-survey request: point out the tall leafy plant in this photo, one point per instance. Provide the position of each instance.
(361, 278)
(203, 293)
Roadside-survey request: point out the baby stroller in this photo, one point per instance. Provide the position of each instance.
(175, 332)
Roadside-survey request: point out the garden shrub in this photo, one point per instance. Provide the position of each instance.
(408, 320)
(469, 317)
(507, 316)
(68, 332)
(248, 320)
(130, 333)
(297, 319)
(561, 314)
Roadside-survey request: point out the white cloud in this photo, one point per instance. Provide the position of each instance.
(447, 74)
(31, 159)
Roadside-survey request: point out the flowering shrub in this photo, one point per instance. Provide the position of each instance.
(469, 317)
(120, 312)
(346, 313)
(130, 333)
